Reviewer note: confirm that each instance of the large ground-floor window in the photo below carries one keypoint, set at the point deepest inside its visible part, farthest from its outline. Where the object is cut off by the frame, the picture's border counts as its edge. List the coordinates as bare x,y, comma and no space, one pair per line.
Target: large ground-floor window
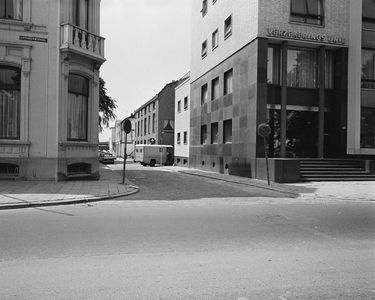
78,93
301,134
368,127
10,101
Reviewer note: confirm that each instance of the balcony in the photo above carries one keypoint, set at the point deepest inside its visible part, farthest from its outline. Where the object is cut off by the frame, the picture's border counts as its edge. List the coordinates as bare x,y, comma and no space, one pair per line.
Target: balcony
82,42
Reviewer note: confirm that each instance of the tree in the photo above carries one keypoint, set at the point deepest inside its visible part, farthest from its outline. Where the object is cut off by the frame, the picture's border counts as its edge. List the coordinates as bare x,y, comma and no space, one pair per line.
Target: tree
107,106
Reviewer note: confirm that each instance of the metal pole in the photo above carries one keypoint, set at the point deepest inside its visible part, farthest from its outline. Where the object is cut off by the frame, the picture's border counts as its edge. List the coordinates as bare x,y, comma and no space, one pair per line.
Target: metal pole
265,153
125,155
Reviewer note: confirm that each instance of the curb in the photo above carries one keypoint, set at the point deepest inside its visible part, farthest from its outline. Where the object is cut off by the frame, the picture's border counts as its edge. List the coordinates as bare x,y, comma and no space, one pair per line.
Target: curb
261,186
66,202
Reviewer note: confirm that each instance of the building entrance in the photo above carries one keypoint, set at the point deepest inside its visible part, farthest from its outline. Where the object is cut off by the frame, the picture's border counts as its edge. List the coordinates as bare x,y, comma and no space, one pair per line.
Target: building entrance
301,134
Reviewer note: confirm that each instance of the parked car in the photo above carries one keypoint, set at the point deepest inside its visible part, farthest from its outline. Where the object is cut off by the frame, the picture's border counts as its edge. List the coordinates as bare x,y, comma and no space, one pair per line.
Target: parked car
106,157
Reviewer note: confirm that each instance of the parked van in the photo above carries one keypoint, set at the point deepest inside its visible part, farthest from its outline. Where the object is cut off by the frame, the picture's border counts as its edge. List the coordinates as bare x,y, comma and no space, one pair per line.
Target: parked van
153,154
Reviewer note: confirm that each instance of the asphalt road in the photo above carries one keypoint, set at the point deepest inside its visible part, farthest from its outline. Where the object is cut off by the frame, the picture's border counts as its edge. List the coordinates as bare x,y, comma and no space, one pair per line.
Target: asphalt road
219,247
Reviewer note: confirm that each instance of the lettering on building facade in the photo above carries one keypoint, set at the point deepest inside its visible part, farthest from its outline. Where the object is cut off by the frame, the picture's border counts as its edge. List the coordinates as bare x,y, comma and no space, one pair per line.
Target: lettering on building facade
296,35
33,39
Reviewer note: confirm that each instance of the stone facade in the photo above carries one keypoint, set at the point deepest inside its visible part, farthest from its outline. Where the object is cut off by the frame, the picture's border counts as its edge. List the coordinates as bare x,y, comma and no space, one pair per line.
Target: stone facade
47,43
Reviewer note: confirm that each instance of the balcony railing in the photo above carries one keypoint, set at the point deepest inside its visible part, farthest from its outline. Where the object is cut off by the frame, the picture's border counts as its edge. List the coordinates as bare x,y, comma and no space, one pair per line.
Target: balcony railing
75,38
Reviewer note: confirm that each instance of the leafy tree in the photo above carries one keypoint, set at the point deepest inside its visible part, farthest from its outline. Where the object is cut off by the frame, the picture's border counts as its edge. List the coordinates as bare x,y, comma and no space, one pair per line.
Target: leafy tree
107,106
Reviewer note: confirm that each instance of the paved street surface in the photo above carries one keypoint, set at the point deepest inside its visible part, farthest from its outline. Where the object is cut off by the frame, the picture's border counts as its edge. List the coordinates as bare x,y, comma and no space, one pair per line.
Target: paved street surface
193,238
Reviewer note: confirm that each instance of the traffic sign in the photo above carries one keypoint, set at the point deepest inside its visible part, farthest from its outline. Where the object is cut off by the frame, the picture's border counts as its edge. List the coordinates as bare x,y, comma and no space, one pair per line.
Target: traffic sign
264,130
127,126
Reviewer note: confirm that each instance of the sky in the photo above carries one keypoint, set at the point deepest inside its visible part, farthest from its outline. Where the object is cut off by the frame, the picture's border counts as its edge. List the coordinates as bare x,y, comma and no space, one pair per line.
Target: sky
147,45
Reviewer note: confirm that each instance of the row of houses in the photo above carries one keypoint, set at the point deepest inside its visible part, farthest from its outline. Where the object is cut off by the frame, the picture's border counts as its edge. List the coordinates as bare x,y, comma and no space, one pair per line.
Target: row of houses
305,68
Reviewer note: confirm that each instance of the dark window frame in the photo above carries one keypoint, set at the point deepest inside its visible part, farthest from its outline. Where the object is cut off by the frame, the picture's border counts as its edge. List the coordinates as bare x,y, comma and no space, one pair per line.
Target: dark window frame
309,12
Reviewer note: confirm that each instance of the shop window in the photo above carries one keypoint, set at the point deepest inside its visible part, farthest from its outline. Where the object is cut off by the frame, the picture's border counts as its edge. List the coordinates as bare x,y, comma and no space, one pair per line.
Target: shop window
78,94
307,11
368,10
204,49
228,82
302,68
186,103
10,102
215,88
368,69
227,131
368,127
204,93
204,134
228,27
214,133
329,70
215,39
273,65
179,106
185,138
11,9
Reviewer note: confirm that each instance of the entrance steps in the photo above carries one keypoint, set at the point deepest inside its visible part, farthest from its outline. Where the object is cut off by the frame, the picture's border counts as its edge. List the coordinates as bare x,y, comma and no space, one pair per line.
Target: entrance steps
334,170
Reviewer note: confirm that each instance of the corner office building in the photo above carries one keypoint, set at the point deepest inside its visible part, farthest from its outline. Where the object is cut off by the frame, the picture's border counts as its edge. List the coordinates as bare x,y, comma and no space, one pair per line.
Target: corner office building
50,55
284,63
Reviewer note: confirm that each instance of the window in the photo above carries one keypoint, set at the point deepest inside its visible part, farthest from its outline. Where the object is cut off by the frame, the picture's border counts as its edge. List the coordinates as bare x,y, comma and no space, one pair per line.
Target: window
307,11
204,134
329,70
179,106
186,103
10,101
228,82
227,133
368,10
215,88
214,133
153,105
273,67
178,138
215,39
214,1
301,68
368,69
145,127
11,9
141,127
228,27
185,137
368,127
204,8
204,49
204,93
149,125
153,123
78,94
81,13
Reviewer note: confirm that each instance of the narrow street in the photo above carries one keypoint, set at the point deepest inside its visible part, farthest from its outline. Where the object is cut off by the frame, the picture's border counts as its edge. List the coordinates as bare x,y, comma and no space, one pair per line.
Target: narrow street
215,241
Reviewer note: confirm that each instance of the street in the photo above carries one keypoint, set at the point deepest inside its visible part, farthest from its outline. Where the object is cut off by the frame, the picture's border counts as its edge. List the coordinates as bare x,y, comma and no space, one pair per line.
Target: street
214,241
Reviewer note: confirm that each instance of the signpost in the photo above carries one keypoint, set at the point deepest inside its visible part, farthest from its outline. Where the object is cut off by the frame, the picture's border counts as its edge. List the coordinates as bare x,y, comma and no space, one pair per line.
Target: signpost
127,129
264,131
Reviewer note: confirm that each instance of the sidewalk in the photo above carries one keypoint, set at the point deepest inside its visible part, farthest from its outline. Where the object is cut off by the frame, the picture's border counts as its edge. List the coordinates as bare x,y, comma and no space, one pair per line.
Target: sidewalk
22,194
